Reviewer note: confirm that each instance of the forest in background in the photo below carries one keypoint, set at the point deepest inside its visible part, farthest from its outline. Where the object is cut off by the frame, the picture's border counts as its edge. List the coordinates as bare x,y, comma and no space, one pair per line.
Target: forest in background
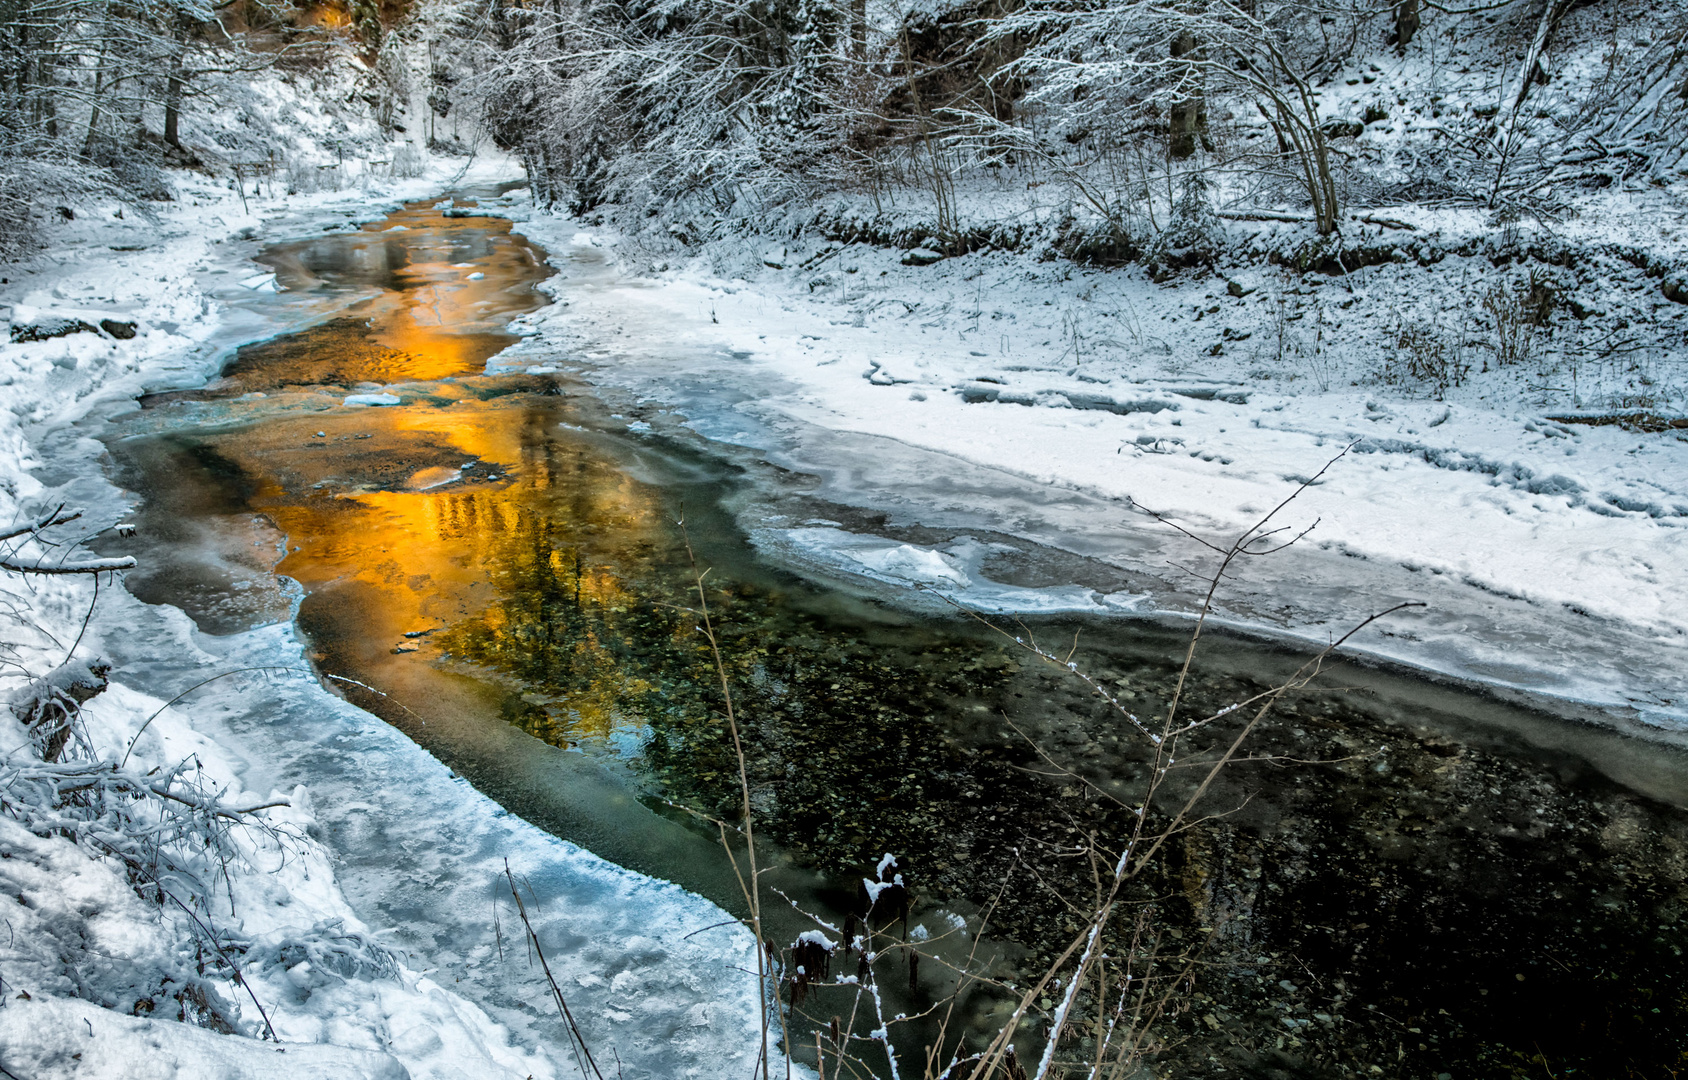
1316,135
1138,123
1123,129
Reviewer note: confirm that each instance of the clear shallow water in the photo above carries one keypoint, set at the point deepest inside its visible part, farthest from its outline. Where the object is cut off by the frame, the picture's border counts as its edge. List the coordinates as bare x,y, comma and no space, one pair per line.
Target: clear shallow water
501,560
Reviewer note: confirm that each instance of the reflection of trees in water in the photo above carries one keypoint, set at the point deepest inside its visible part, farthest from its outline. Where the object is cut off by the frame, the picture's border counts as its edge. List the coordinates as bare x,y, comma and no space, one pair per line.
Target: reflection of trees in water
406,333
582,609
572,632
844,727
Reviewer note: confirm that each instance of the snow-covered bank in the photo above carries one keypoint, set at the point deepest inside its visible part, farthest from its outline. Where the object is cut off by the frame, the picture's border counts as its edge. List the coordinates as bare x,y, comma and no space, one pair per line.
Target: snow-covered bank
1046,401
363,914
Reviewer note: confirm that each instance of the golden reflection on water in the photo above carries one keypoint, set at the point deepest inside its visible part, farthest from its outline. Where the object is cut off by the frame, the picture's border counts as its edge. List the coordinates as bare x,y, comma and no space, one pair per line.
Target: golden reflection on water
469,518
440,290
531,560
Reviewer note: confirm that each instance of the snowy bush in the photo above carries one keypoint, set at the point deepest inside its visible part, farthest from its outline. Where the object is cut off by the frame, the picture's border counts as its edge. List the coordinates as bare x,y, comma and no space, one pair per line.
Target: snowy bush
73,811
1193,236
1422,352
409,162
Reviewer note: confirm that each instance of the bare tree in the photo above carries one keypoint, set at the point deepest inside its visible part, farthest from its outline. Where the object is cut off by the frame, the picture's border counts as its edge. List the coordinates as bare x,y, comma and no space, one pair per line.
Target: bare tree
1144,58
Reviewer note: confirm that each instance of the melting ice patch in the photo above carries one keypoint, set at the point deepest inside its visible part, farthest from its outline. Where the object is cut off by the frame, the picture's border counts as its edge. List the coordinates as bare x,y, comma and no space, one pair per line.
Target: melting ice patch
914,564
953,570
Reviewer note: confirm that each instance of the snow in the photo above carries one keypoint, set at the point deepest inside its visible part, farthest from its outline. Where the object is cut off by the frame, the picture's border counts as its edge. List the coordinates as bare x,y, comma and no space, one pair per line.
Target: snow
874,888
282,900
1040,400
366,913
49,1038
915,564
955,573
371,399
887,862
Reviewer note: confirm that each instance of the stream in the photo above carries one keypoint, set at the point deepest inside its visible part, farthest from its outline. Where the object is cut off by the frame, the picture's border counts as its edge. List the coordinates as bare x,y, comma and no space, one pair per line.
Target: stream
1406,877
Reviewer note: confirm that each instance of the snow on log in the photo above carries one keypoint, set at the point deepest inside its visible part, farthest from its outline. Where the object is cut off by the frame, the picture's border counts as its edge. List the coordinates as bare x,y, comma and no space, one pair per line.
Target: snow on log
45,565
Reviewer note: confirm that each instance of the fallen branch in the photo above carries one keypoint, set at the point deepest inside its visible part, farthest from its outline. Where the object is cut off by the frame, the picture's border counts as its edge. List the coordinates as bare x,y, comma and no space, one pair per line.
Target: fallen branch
1387,223
42,566
1301,219
1265,215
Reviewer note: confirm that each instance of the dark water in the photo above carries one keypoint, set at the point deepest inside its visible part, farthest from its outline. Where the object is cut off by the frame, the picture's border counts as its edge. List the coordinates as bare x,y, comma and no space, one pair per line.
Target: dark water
1407,879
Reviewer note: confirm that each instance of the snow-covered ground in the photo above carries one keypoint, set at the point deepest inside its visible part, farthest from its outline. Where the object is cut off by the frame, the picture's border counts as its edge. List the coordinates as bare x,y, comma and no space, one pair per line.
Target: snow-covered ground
996,392
365,915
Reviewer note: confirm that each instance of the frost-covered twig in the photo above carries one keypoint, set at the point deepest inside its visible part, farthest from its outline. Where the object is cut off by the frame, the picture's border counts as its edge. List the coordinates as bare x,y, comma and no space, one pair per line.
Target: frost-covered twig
1085,950
750,884
53,517
42,565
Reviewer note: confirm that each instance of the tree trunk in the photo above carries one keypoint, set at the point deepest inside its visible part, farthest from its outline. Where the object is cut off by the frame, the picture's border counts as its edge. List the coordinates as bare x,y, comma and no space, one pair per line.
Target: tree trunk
44,107
173,98
1326,223
1185,116
1528,73
95,108
539,176
95,111
173,113
1300,129
1406,23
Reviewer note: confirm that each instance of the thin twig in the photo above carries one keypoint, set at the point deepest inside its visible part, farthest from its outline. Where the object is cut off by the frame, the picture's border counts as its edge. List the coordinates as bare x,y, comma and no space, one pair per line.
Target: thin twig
583,1054
752,889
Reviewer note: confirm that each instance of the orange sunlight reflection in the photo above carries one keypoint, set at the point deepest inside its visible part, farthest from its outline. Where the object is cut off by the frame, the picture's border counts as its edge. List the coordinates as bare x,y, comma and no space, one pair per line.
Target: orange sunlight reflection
443,291
529,571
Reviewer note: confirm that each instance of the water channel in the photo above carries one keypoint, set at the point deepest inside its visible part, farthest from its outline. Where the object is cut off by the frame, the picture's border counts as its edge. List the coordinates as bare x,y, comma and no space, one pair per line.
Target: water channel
1407,879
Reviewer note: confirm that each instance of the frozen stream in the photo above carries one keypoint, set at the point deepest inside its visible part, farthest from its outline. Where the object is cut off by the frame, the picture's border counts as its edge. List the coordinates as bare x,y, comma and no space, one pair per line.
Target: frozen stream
1451,882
